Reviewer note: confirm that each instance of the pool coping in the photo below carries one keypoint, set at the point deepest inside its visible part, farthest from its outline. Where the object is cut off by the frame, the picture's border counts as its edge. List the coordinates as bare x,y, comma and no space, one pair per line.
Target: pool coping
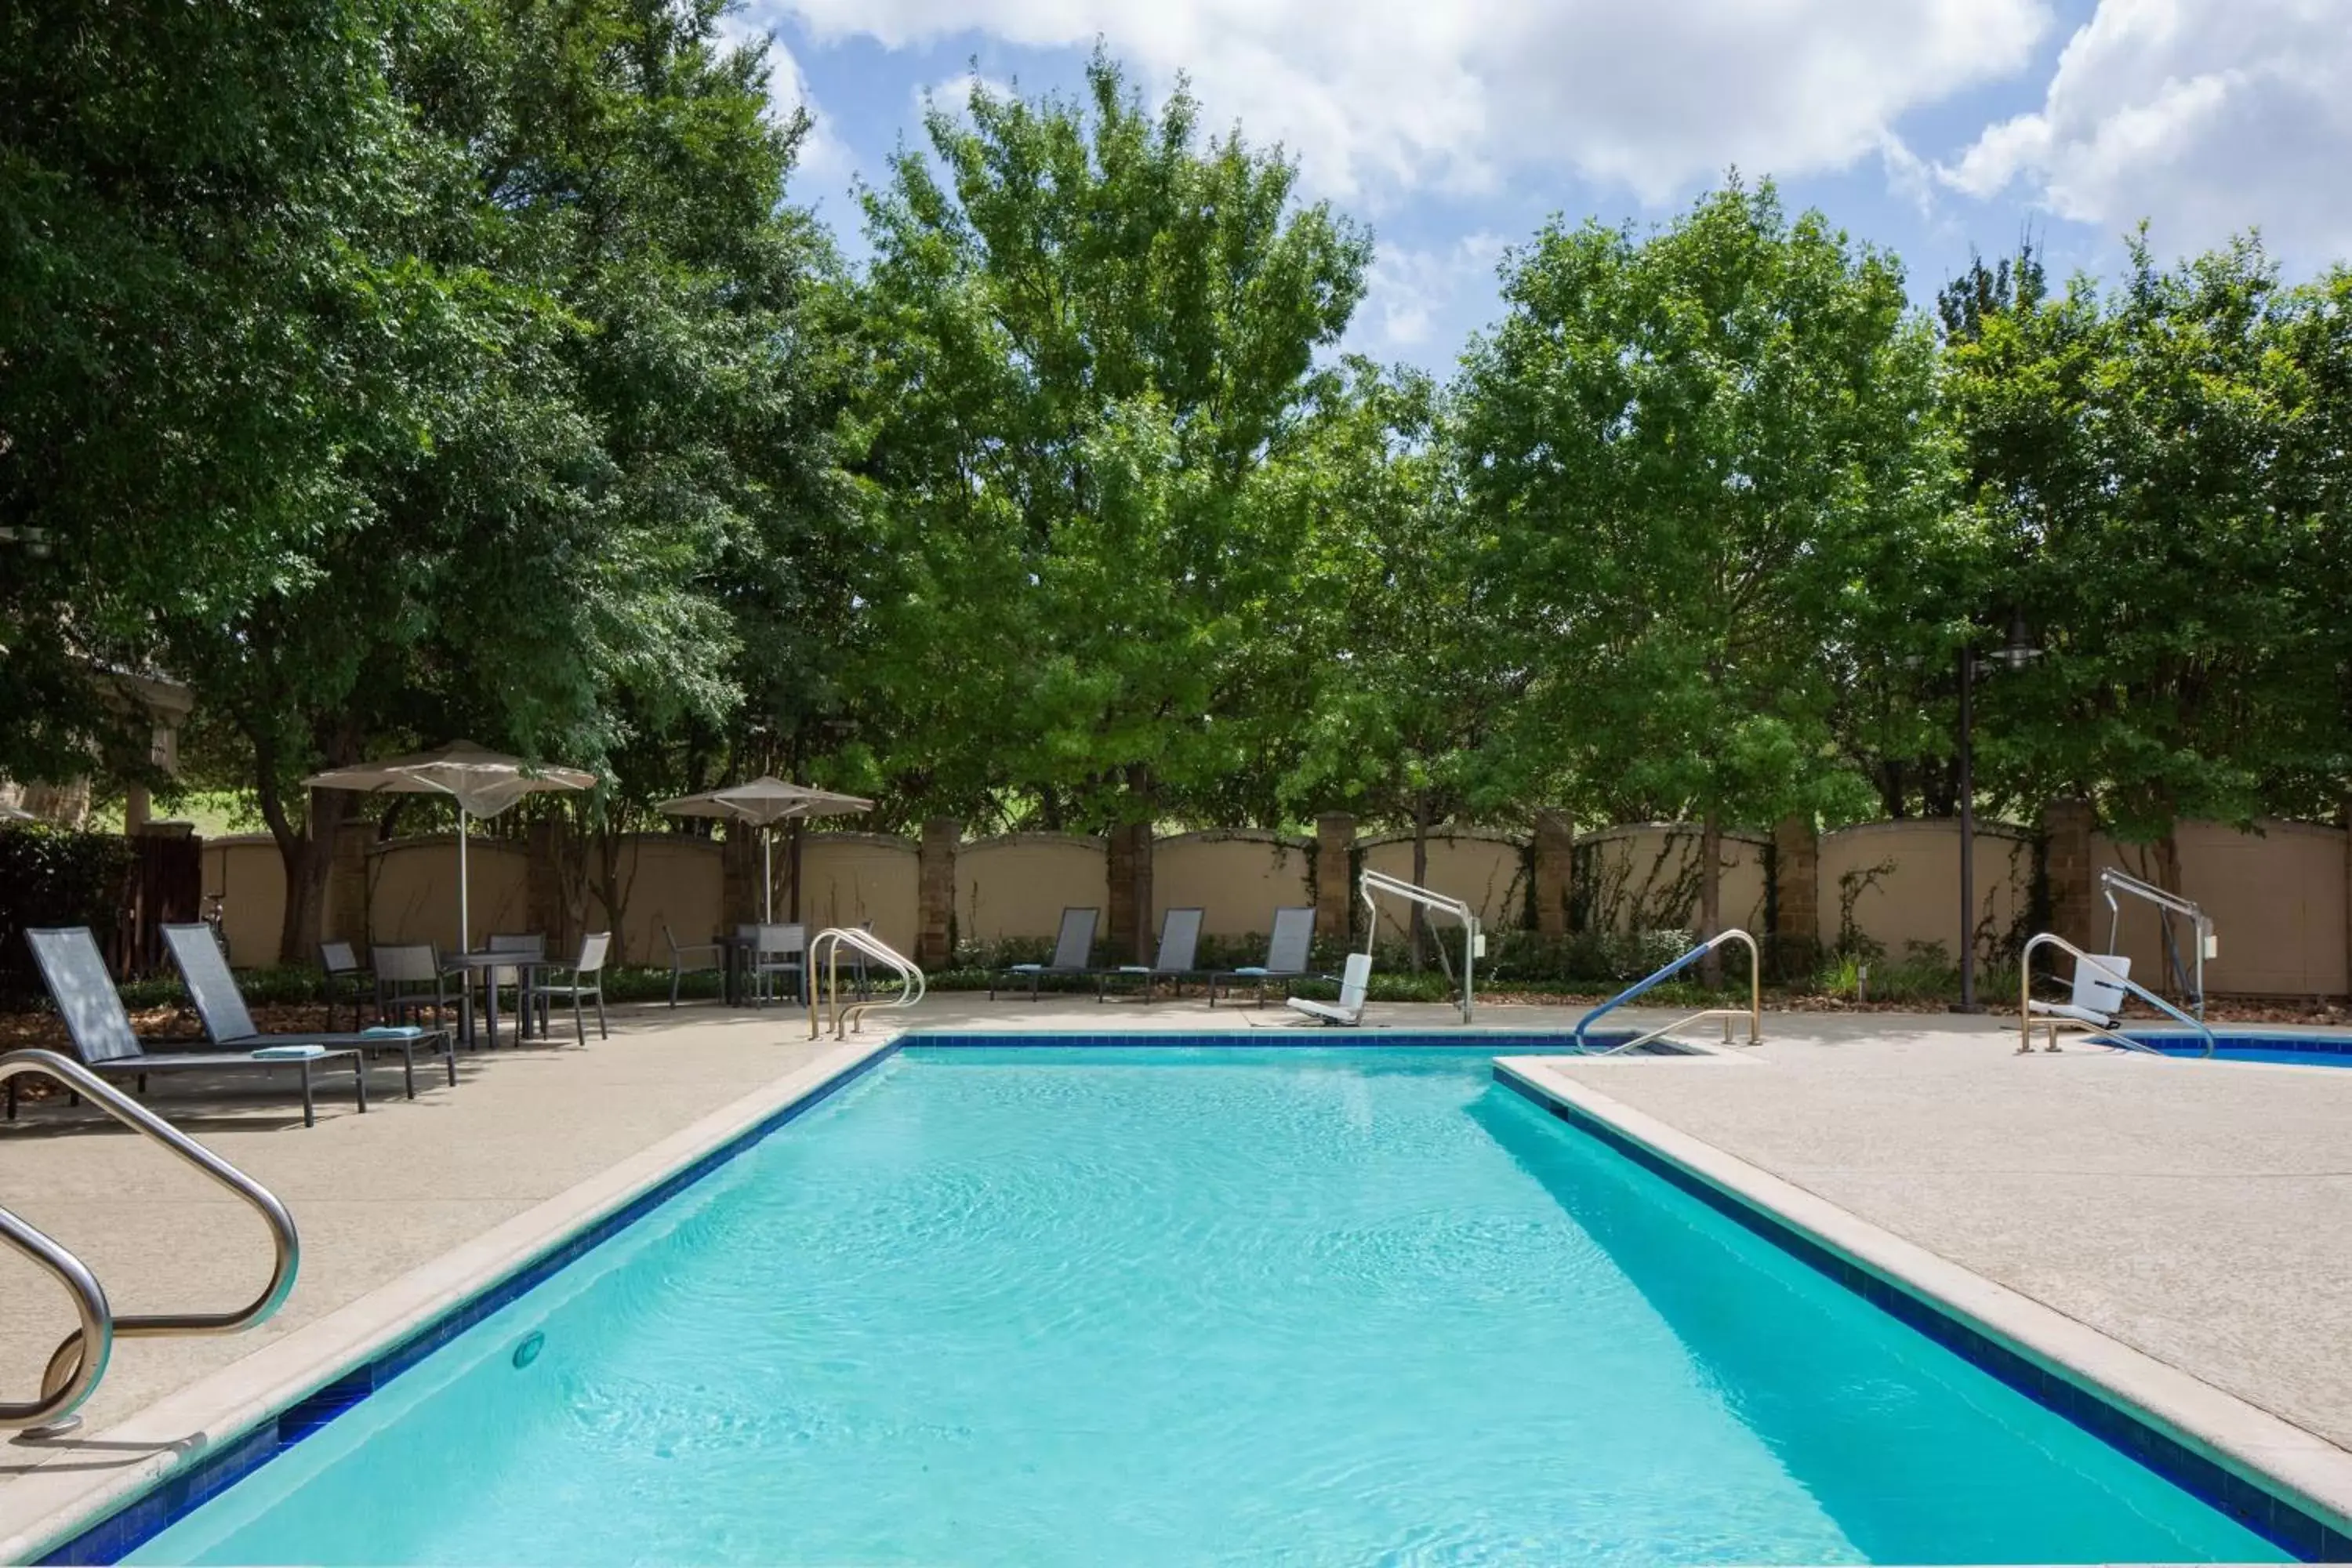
2293,1486
211,1432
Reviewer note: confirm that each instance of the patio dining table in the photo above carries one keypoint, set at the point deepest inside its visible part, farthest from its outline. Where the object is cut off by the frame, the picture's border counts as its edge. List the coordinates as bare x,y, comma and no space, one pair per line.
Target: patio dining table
526,967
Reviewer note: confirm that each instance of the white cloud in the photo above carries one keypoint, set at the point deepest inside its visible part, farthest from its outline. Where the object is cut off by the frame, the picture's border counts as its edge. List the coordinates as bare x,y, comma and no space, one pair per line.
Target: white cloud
823,154
2206,116
1377,95
1419,301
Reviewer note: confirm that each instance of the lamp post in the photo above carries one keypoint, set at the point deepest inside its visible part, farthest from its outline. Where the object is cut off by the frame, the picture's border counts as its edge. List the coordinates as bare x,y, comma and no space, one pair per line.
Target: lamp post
2014,654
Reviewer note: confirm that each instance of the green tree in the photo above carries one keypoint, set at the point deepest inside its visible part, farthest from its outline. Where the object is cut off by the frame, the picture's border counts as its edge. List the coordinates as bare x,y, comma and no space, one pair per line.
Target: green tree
1089,330
1698,450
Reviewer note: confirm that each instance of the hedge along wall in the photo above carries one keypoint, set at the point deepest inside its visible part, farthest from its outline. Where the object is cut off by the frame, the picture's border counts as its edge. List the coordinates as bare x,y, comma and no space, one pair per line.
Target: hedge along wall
848,879
1645,876
2277,897
1237,880
1018,885
245,871
1899,884
1488,871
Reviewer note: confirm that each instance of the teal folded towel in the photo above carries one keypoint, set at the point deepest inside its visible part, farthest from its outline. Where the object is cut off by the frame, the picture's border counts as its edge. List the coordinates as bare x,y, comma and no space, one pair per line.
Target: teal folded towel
392,1031
1252,969
289,1052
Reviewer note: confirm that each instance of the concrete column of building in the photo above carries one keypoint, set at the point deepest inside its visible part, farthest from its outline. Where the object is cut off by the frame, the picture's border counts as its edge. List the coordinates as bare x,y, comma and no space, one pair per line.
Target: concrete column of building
1796,938
1555,870
2066,828
1335,888
935,892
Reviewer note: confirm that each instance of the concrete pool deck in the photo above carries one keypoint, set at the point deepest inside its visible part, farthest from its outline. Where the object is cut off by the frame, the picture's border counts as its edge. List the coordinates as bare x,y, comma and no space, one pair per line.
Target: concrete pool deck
2195,1212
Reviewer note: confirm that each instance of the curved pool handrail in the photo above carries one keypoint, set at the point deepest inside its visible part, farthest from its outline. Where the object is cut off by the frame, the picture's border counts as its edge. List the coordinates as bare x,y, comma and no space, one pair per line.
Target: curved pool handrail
80,1359
912,986
1753,1012
2113,1037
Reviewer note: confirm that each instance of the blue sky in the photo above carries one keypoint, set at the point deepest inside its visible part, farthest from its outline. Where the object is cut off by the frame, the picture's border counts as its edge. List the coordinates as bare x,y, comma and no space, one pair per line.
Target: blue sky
1923,126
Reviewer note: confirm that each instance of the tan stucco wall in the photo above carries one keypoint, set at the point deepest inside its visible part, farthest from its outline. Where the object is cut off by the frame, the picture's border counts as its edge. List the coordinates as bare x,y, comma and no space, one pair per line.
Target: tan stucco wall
1018,885
413,889
670,878
2277,898
245,872
851,878
1917,898
1239,880
1651,854
1484,871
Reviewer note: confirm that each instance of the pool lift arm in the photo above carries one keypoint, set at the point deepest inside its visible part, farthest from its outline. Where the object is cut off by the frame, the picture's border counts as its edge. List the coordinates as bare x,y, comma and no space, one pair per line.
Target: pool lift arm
1473,941
2112,881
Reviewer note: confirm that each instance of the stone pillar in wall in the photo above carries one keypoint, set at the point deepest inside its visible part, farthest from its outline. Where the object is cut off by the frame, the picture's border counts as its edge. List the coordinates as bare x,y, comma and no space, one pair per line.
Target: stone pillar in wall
1128,873
1335,888
1796,938
2066,828
935,892
1555,870
345,917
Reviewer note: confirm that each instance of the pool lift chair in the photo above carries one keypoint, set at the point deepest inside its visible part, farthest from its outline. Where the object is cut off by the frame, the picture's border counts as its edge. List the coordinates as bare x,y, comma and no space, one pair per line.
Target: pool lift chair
1357,973
2094,1006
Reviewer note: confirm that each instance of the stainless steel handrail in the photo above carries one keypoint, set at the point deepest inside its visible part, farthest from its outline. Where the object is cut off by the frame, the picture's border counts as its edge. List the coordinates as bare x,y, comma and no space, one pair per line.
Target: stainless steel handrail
75,1367
1753,1012
1396,887
912,987
2111,881
54,1410
2113,1037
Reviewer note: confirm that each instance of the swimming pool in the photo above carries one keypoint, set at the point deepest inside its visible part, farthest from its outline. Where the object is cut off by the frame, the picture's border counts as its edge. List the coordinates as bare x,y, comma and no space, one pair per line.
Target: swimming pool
2254,1046
1168,1305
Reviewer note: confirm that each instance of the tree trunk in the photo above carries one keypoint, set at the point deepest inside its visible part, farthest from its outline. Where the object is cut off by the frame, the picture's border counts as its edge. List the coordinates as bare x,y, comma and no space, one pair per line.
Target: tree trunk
308,854
1710,893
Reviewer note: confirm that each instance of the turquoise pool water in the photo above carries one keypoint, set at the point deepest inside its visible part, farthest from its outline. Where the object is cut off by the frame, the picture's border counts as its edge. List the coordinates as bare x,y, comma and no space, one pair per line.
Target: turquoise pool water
2286,1047
1140,1306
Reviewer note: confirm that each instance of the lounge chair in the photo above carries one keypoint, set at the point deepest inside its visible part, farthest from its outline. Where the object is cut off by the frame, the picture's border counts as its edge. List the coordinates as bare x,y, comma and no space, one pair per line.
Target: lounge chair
1073,951
1350,1012
2097,1002
84,991
1171,958
228,1024
1285,954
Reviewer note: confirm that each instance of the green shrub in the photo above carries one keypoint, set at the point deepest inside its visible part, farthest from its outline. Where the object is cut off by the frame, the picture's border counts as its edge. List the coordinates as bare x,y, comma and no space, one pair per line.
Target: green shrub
56,877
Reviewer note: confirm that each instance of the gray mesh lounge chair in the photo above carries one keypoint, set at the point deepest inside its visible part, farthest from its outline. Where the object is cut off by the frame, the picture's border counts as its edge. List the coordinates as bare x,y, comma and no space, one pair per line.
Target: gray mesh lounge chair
581,980
1172,959
1285,954
228,1024
84,991
1073,951
1354,979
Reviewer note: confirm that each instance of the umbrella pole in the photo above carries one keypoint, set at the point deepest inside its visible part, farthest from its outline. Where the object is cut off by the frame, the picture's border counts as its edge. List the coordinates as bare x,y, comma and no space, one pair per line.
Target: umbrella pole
768,872
465,924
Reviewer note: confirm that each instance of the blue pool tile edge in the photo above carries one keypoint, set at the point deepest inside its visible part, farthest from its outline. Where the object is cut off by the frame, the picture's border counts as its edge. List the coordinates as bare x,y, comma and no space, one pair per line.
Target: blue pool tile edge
2277,1519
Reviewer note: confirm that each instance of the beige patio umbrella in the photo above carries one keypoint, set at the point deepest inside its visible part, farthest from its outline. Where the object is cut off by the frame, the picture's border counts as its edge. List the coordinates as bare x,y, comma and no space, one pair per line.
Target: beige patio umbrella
763,802
482,782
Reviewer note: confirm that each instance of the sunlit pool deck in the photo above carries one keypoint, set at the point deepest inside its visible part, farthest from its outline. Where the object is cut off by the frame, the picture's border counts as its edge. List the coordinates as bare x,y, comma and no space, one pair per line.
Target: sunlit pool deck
2184,1222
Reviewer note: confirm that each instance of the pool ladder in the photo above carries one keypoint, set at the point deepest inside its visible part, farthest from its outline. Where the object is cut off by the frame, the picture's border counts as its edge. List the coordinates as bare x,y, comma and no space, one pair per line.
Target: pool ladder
827,944
80,1362
1753,1012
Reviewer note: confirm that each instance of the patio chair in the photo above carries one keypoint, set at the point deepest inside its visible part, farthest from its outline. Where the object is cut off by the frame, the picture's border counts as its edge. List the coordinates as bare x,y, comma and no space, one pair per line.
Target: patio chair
1074,949
1353,980
523,945
1171,958
339,963
1287,953
2097,1002
581,980
75,972
410,978
229,1025
778,950
691,958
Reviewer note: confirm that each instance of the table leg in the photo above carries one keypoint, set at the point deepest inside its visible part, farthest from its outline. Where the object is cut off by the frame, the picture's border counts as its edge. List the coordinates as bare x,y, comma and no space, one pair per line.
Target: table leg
490,1003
